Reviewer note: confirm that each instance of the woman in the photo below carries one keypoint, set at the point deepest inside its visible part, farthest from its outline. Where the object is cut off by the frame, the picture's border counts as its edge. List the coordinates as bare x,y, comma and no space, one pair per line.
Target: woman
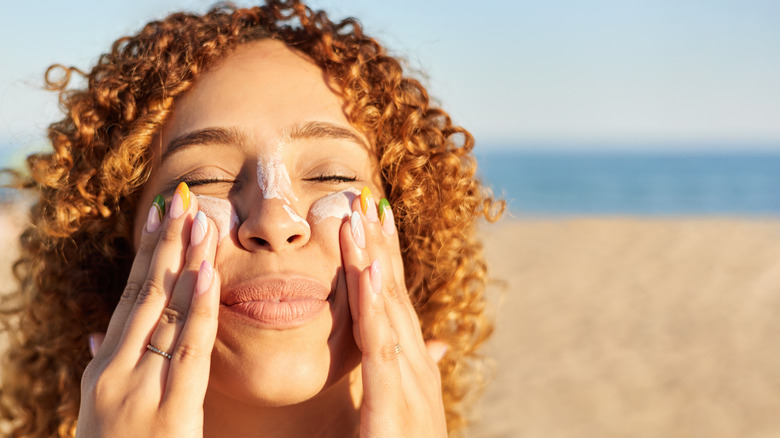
208,229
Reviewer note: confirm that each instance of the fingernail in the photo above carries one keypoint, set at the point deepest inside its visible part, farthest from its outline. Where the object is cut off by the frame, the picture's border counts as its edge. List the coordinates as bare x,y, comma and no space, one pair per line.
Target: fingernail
181,200
386,216
368,205
375,274
199,228
205,275
357,229
94,343
156,214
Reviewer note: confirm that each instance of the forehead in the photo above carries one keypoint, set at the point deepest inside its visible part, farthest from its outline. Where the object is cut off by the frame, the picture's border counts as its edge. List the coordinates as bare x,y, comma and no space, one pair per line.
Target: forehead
262,89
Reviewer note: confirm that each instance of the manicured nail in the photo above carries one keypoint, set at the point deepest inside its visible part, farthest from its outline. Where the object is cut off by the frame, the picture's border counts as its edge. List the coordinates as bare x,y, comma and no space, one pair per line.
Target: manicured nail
386,216
357,230
156,214
375,274
205,276
199,228
95,340
181,200
365,195
368,205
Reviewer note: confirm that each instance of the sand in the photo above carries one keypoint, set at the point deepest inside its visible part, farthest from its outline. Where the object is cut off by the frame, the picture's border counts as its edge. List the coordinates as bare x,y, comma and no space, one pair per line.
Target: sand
634,328
611,327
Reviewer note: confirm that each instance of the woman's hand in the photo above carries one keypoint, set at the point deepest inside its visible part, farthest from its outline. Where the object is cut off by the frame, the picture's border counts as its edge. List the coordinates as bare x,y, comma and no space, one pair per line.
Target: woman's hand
171,302
401,381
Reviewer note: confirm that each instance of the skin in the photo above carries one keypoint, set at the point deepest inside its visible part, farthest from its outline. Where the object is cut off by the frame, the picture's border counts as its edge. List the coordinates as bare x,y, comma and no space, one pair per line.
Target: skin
229,377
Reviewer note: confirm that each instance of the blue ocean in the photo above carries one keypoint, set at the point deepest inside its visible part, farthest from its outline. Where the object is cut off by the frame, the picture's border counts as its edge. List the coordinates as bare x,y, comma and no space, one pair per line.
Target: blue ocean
567,183
634,183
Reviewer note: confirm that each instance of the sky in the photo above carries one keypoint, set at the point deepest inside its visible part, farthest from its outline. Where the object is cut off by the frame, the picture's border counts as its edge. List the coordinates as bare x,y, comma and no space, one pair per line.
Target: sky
577,74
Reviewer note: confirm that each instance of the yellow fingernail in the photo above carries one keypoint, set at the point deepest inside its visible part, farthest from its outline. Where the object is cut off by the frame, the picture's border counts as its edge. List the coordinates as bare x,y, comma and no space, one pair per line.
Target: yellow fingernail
181,200
365,195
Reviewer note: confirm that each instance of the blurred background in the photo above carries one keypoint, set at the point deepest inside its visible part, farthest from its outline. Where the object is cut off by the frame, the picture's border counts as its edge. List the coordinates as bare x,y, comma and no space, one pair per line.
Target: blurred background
637,143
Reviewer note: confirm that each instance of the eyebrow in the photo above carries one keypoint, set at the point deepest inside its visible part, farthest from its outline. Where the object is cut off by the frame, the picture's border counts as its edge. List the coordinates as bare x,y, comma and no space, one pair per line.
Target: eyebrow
324,130
203,137
308,130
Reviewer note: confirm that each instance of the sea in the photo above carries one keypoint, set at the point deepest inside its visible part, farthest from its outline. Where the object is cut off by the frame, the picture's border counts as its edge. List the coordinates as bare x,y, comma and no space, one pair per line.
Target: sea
641,183
637,182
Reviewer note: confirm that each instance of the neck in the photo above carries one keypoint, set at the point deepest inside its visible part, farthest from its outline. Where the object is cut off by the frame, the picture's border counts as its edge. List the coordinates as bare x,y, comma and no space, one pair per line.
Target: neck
332,413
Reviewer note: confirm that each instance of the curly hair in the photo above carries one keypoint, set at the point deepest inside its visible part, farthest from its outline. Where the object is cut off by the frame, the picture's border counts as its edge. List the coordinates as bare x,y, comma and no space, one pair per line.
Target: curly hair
77,249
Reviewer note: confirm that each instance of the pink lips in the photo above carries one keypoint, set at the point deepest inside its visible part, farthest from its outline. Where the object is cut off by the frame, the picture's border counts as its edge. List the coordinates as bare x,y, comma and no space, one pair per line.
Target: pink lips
277,303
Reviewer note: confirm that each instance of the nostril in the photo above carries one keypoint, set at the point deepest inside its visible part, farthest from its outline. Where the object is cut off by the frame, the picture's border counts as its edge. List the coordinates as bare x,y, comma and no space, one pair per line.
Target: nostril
261,242
293,238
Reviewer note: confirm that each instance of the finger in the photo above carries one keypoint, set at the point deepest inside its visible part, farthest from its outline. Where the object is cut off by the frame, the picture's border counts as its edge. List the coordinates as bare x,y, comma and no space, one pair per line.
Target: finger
191,361
384,249
381,372
138,273
203,237
387,222
354,261
166,264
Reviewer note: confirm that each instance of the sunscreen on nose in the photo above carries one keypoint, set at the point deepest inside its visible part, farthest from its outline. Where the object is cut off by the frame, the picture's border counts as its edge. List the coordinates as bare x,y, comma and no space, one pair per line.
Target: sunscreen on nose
272,177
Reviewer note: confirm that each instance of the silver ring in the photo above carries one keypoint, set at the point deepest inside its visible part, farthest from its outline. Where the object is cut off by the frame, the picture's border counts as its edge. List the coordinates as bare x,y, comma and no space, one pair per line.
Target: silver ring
398,349
154,349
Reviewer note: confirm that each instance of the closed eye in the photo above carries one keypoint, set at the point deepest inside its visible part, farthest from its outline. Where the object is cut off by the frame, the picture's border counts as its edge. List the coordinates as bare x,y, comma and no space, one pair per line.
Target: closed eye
194,182
332,178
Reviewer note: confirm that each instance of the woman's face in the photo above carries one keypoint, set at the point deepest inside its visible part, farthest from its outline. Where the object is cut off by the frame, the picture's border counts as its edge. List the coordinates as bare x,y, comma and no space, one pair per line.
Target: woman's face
264,144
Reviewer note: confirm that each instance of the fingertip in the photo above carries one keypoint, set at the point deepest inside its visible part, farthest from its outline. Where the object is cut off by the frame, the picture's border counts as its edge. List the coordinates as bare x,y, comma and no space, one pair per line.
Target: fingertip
436,349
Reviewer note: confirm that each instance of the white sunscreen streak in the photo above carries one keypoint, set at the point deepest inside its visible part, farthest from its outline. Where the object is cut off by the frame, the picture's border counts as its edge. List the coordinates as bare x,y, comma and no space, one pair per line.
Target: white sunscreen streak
273,179
221,211
295,217
337,205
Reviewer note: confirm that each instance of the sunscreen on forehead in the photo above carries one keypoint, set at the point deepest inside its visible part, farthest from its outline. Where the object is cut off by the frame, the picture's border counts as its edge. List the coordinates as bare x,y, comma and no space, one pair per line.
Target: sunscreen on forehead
335,205
221,211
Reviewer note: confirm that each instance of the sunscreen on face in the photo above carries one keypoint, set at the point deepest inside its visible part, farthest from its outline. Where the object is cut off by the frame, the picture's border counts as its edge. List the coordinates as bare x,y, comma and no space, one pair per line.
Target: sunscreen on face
221,211
272,177
335,205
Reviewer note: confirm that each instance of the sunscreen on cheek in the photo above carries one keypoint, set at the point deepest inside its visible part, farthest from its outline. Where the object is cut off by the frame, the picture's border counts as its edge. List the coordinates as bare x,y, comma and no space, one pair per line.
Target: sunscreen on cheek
221,211
336,205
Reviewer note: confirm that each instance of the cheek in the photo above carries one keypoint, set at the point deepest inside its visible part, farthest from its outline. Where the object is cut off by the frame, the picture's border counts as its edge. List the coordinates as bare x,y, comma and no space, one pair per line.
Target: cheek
221,211
334,206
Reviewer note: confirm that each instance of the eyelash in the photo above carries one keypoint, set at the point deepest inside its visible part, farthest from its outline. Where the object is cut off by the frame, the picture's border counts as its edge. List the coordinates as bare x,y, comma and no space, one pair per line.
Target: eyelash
203,181
333,178
321,178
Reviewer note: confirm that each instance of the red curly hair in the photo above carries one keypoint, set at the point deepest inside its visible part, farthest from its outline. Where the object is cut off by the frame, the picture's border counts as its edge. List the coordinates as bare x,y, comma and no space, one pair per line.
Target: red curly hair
77,250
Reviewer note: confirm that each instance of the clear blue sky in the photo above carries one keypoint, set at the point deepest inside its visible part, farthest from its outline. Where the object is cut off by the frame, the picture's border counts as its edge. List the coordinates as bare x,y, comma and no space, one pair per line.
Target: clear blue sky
580,73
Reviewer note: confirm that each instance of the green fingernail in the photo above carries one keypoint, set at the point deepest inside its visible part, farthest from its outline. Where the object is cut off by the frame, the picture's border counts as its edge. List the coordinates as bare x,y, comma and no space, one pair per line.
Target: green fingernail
383,207
159,203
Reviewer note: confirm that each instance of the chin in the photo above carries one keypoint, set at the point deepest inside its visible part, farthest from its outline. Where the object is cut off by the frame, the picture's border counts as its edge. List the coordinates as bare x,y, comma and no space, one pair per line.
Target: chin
273,368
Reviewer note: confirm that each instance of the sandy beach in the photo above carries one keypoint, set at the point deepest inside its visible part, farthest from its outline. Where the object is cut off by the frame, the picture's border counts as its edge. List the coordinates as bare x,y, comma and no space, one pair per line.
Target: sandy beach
609,327
634,328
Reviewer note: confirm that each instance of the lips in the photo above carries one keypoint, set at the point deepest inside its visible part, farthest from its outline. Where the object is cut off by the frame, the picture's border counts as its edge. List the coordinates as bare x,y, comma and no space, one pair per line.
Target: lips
276,303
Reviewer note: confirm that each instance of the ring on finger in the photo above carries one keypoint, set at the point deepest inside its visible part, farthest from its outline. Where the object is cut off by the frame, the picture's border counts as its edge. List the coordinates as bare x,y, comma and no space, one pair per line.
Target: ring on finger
168,356
398,349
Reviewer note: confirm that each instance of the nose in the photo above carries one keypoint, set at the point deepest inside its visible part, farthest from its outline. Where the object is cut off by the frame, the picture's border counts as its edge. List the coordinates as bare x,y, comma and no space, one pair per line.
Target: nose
273,225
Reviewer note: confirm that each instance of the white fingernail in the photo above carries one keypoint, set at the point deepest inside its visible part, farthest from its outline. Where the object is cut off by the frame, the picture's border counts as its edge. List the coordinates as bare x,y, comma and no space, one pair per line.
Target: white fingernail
357,229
